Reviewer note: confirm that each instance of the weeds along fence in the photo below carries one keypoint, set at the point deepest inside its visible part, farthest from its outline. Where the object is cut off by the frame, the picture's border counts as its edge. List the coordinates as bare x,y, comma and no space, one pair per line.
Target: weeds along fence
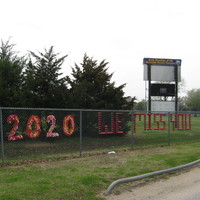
29,134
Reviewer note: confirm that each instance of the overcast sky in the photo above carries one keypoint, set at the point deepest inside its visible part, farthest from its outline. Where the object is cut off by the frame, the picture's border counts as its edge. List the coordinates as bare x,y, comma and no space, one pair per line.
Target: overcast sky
121,31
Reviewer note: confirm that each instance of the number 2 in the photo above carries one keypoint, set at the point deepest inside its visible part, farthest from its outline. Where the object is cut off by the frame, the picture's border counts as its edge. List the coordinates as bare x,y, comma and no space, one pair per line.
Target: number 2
52,119
15,119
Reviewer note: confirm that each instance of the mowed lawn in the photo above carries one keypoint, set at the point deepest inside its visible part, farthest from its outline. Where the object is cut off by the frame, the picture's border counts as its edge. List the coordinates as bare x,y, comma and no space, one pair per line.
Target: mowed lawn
87,177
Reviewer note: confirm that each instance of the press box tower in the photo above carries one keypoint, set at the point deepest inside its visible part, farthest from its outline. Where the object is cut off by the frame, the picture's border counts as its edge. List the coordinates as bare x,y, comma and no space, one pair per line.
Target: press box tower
162,76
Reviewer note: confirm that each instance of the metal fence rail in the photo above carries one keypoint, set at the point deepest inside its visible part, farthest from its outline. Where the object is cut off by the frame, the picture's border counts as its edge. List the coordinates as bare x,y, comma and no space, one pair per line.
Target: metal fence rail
135,178
38,133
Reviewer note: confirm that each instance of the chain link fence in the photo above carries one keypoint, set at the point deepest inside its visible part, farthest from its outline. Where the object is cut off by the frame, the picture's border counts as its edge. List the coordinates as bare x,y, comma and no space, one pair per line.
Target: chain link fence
39,134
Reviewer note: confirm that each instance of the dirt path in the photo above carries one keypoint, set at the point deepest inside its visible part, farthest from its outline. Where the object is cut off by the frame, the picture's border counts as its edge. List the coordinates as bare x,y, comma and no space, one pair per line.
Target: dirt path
183,185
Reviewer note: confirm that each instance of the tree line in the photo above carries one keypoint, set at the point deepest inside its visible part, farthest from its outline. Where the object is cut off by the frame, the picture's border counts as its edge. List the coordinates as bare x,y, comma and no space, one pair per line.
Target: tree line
189,102
35,80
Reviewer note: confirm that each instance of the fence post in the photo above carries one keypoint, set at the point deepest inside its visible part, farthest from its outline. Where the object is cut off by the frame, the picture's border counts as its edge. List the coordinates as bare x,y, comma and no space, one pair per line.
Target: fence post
81,138
2,141
169,139
132,128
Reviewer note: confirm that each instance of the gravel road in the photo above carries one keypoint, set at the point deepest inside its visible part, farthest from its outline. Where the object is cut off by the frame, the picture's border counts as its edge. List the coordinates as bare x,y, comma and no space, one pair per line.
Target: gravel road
183,185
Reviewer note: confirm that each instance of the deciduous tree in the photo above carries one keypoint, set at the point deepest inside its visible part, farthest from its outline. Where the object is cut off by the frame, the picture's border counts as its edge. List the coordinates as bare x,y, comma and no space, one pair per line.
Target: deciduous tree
192,100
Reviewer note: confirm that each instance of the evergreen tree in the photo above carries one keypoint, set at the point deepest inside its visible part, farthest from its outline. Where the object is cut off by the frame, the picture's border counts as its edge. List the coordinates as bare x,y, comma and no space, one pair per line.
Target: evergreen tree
44,85
91,87
11,76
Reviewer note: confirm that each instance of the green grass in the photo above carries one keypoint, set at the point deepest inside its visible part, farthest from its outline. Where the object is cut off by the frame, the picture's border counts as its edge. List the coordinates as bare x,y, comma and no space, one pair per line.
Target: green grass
67,176
160,137
86,177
